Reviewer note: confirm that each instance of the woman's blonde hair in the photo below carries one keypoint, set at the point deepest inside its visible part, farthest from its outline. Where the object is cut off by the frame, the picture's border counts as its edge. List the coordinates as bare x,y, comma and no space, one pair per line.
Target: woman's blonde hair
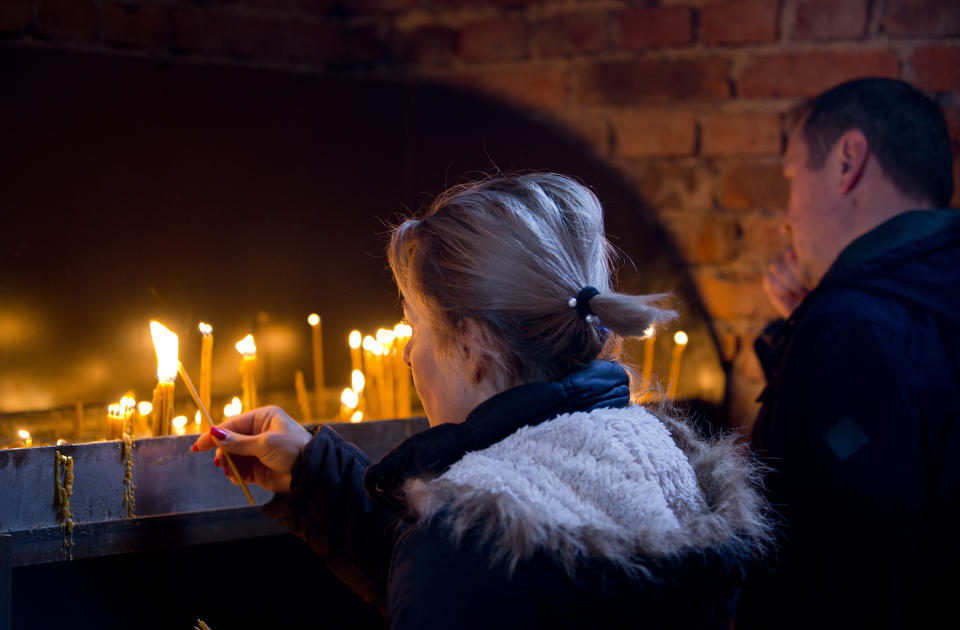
509,252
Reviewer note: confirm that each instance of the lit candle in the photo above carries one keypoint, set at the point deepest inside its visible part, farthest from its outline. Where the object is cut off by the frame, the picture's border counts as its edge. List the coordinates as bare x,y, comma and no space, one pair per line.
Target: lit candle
206,362
114,422
348,403
650,338
128,406
680,342
233,408
356,417
355,340
166,345
196,422
25,436
303,399
401,371
143,410
387,399
372,359
358,383
316,335
179,425
248,363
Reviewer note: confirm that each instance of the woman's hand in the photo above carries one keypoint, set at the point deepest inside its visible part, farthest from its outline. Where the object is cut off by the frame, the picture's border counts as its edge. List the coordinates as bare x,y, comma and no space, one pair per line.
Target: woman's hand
264,444
784,285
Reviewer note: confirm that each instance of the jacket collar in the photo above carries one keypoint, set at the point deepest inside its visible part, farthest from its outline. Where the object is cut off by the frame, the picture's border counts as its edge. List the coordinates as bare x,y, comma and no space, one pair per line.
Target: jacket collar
432,452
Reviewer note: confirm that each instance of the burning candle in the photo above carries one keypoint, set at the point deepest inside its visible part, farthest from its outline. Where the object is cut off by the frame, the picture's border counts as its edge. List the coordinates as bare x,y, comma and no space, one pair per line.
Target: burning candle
179,425
248,363
401,371
143,414
302,398
354,341
114,422
233,408
166,345
316,335
650,338
387,398
372,360
25,437
356,417
680,342
196,422
206,362
348,403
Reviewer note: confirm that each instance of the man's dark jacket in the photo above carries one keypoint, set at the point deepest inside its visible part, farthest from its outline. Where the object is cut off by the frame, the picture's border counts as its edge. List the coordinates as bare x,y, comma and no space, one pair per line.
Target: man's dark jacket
355,515
859,425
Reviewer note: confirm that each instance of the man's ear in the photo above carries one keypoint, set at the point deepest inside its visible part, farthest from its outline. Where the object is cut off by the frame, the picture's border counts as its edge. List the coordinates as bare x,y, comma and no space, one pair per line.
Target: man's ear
853,151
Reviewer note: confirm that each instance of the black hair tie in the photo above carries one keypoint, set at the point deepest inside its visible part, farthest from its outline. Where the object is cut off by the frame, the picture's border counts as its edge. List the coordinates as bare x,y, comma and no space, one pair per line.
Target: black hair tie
582,303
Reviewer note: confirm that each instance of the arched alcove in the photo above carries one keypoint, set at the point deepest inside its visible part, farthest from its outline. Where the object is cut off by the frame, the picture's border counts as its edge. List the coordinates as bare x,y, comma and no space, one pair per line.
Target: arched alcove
137,189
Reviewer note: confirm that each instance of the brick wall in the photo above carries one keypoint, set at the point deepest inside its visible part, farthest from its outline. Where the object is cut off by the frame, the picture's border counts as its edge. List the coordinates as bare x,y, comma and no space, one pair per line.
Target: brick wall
685,97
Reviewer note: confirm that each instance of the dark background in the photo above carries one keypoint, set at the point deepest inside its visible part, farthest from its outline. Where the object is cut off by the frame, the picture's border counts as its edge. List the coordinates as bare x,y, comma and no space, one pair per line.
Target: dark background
134,189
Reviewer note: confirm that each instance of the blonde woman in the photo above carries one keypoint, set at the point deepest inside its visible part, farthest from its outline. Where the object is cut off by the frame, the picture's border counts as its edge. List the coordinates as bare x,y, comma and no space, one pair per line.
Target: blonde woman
539,497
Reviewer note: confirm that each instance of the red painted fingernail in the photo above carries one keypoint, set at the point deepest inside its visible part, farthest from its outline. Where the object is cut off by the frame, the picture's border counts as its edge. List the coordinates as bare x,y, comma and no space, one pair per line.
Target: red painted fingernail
220,434
216,461
195,448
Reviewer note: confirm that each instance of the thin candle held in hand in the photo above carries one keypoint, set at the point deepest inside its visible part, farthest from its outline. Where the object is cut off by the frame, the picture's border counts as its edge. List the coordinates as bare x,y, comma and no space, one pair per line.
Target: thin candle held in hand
206,416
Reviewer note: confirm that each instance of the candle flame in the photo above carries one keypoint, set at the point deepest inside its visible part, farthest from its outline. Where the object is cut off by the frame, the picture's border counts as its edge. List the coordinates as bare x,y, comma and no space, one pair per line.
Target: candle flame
166,345
385,337
246,347
680,338
145,408
368,343
356,417
127,404
179,422
313,319
61,442
205,329
233,408
24,434
403,330
648,332
357,381
355,339
349,398
196,418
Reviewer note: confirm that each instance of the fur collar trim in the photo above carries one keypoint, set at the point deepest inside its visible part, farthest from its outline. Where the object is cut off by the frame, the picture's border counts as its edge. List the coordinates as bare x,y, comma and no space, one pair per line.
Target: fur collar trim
618,484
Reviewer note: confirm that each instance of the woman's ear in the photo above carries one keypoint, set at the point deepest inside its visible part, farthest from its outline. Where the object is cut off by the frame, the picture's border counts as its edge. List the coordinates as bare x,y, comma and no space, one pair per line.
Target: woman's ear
473,343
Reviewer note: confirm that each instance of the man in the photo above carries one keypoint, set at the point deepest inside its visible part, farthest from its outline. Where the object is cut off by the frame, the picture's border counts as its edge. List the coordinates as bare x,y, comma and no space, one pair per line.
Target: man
859,423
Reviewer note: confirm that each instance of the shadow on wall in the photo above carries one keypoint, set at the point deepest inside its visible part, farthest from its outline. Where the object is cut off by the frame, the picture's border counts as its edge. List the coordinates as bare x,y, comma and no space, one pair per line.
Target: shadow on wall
138,189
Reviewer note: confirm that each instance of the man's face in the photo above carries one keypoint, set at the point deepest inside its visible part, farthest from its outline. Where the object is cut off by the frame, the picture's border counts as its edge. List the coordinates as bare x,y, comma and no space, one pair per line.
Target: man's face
810,210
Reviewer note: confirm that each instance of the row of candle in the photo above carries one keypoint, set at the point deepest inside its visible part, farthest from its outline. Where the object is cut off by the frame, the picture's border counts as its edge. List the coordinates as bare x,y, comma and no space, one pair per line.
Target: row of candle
380,382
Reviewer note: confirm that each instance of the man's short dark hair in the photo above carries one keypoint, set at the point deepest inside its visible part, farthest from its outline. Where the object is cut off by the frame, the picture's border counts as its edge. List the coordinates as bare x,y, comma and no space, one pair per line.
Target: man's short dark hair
906,132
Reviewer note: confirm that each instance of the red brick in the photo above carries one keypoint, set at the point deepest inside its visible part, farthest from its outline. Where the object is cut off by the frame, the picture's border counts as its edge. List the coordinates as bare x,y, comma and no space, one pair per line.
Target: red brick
572,33
594,130
133,25
370,6
494,40
650,27
653,82
540,88
754,186
733,298
703,239
936,68
257,37
198,30
918,18
426,44
312,43
826,20
808,74
73,20
740,134
666,185
15,15
739,22
655,133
